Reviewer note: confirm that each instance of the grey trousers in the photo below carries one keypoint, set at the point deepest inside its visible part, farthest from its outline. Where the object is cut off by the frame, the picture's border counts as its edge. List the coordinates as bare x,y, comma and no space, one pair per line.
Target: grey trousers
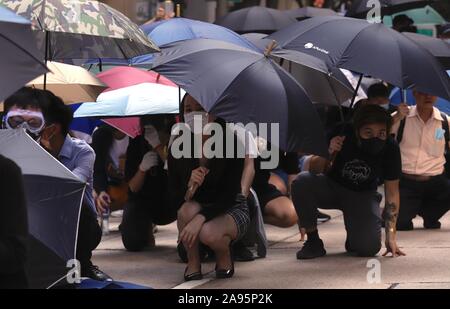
362,214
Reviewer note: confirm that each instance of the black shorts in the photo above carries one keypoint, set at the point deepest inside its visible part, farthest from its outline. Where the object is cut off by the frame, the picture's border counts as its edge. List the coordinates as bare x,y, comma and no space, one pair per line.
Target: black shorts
267,193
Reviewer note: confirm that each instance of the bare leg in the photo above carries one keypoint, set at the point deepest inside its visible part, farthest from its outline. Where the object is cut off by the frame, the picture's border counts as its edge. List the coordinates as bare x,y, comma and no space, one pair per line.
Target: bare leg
278,183
186,213
217,234
280,212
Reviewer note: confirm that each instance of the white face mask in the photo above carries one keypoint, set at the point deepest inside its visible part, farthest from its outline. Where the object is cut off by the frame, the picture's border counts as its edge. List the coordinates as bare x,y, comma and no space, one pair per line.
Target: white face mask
196,121
385,106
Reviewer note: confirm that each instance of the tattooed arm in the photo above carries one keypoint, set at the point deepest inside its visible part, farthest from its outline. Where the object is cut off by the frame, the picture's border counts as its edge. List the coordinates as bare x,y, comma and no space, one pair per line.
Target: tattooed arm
390,214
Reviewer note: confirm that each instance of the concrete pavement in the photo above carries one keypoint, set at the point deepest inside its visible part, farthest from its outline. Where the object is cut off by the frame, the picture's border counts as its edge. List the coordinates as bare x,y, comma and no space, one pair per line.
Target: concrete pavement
427,264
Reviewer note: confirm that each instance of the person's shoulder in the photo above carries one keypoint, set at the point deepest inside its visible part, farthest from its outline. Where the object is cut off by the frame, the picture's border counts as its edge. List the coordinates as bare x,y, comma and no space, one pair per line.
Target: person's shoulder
81,146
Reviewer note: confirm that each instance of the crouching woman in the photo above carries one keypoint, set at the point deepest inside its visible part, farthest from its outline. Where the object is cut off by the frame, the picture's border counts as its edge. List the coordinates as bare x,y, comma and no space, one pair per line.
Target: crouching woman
207,192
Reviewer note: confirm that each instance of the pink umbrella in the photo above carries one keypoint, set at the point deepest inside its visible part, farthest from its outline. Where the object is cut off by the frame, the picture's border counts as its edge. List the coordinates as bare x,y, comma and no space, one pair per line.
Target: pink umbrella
121,77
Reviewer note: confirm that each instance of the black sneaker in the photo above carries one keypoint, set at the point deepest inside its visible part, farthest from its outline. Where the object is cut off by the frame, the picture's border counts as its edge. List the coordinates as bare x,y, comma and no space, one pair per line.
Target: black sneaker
431,225
322,217
311,250
241,253
95,273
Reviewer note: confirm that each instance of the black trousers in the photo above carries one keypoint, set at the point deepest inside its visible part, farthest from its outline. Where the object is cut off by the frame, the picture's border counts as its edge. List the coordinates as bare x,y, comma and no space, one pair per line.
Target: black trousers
138,216
362,215
429,199
89,236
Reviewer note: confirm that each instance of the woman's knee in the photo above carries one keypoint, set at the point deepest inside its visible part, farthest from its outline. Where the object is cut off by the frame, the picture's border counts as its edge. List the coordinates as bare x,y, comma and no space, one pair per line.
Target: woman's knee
188,210
210,235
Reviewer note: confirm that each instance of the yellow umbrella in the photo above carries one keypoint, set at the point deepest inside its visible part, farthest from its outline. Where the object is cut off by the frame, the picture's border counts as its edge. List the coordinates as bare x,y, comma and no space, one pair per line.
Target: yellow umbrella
73,84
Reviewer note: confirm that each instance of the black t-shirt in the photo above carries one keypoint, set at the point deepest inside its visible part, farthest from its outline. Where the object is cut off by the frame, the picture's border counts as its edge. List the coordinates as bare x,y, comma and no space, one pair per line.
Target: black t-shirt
359,171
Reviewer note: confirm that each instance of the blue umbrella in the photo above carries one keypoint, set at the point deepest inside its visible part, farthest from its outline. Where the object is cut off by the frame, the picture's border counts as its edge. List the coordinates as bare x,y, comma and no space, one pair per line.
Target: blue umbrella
396,97
19,56
181,29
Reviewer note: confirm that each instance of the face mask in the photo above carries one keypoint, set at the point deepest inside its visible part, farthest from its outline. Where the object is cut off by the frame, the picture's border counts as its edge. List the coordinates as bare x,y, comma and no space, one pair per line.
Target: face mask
196,121
372,146
385,106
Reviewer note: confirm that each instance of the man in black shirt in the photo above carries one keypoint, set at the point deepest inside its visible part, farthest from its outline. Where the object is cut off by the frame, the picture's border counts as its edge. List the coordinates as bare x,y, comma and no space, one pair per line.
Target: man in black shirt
13,227
363,155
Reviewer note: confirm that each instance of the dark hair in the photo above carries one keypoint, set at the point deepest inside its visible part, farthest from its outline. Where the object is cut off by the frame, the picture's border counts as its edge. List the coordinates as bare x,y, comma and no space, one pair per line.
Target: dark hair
378,90
58,113
402,20
371,114
28,97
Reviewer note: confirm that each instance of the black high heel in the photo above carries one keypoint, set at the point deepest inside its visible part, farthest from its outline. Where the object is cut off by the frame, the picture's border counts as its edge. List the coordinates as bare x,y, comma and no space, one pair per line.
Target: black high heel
226,273
194,276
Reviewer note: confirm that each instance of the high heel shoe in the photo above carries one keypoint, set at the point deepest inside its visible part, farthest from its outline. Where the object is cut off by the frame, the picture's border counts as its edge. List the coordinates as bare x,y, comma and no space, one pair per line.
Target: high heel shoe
226,273
194,276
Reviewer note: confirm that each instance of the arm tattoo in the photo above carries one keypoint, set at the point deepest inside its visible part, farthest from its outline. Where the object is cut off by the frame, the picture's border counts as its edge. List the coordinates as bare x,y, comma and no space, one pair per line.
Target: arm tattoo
390,212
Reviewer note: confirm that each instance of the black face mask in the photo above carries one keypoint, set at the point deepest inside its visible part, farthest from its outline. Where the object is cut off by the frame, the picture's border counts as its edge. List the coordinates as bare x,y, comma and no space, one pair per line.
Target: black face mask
372,146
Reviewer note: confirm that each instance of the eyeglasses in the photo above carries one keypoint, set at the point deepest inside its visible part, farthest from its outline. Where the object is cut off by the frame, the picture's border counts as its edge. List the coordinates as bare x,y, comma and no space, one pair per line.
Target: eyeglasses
29,120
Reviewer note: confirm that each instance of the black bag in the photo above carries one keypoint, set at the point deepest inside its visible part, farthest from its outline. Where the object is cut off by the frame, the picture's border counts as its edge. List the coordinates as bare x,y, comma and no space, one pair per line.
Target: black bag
445,127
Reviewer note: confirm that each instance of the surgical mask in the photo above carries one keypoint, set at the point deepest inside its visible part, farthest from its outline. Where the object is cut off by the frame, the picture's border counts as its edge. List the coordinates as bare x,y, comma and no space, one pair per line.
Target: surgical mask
373,146
196,121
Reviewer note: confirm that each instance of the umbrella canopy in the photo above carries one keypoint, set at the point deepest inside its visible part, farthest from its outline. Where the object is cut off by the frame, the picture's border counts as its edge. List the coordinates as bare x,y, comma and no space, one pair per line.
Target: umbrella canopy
71,83
256,19
437,47
310,11
240,85
323,83
54,196
371,49
181,29
396,98
82,29
360,8
20,60
137,100
121,77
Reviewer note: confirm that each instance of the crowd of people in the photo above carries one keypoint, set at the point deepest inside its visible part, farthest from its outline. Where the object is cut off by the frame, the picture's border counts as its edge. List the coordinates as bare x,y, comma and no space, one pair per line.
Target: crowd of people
404,149
210,199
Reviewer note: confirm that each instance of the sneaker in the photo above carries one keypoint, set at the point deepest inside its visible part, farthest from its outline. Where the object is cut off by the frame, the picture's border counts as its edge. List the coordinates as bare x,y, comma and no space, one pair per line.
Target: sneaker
431,225
311,250
322,217
95,273
241,253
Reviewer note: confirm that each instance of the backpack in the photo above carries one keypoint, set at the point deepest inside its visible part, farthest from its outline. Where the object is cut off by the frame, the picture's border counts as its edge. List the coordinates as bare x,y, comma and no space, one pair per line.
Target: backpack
445,127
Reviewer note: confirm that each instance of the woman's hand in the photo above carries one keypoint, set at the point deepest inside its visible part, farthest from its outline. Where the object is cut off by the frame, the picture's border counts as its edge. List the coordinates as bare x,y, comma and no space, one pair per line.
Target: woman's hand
189,234
198,176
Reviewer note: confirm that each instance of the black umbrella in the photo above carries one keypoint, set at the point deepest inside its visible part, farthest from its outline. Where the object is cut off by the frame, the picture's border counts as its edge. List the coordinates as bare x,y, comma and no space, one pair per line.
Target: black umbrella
256,19
310,11
241,85
360,8
323,83
20,60
370,49
437,47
